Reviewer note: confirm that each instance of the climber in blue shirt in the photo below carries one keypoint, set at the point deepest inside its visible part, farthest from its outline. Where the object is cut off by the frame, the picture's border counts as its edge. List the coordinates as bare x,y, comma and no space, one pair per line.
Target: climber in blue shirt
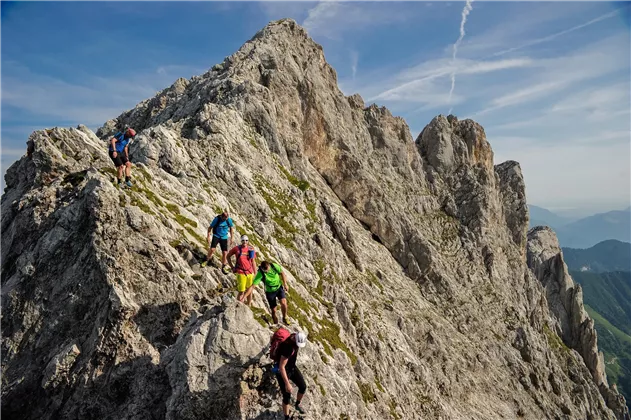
221,229
119,153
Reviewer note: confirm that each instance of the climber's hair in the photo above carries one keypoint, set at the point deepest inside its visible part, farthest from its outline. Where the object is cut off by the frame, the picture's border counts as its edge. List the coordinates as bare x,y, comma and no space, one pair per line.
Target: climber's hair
265,265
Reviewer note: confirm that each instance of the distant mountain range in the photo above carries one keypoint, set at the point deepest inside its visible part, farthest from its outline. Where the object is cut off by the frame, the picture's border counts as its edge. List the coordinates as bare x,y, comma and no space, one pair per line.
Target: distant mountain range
605,256
544,217
585,232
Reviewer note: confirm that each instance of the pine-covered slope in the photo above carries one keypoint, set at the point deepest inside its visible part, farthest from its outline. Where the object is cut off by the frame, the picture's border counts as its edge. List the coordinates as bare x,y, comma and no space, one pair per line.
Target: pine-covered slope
610,255
608,300
406,259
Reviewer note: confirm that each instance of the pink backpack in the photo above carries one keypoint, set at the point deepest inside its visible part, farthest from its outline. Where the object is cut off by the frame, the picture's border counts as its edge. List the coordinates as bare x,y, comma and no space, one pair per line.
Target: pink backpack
279,336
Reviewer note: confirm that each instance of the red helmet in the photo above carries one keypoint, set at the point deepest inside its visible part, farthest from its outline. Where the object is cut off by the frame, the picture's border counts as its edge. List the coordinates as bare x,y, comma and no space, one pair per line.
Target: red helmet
130,132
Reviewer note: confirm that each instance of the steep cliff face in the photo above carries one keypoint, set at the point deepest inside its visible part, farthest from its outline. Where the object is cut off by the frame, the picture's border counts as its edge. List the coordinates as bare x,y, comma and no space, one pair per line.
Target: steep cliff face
565,299
406,261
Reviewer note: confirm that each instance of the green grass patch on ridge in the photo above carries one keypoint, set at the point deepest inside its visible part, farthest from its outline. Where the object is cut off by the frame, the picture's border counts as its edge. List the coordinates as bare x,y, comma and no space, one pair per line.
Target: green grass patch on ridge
554,340
173,208
368,394
197,236
141,205
328,333
283,207
261,316
300,183
183,220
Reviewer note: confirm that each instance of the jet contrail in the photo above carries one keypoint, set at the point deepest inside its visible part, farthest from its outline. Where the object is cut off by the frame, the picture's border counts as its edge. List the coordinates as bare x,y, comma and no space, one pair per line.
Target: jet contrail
465,12
558,34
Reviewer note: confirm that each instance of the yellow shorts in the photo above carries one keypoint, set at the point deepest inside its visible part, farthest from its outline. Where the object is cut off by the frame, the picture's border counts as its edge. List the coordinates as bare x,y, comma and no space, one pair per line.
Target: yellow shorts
244,281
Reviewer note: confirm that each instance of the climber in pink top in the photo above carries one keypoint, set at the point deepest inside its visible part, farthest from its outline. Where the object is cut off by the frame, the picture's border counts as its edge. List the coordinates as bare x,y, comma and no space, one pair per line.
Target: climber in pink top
245,268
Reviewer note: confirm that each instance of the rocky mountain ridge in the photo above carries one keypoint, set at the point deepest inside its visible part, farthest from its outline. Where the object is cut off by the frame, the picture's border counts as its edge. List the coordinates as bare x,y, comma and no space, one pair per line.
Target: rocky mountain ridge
407,261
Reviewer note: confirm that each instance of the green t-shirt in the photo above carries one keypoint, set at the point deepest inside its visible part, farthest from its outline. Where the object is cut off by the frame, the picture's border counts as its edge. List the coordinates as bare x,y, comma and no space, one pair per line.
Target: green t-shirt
272,278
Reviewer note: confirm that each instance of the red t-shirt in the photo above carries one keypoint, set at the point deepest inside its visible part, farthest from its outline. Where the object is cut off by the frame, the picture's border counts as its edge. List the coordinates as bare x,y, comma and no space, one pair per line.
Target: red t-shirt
245,258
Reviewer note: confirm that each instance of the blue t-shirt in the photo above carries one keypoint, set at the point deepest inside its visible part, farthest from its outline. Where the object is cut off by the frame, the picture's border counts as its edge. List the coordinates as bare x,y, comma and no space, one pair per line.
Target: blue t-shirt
222,227
121,142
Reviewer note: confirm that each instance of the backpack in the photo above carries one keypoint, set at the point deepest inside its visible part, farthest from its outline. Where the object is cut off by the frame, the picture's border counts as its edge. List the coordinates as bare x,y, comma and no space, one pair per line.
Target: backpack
119,136
219,221
279,337
238,264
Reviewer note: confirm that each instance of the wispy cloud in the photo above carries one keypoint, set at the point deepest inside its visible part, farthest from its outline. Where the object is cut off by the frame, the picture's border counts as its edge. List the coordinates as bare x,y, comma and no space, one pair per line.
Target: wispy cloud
319,18
528,20
417,77
558,34
297,10
593,106
12,153
593,99
463,20
332,19
7,157
354,61
90,101
523,95
550,76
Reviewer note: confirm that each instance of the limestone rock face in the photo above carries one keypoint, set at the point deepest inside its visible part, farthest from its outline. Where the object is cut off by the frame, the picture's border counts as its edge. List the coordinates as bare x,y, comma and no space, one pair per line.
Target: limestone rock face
406,261
565,299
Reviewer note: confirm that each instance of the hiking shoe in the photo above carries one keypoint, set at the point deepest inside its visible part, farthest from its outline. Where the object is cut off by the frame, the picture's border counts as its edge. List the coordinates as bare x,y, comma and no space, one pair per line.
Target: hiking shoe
128,183
299,409
286,321
203,264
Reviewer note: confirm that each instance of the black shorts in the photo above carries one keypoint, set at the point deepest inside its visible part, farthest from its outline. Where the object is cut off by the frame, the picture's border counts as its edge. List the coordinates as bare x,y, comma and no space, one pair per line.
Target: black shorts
120,159
223,243
296,377
272,296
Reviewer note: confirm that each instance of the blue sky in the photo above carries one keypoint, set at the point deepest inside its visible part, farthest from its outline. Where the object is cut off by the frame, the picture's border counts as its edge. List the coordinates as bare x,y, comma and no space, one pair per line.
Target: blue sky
548,81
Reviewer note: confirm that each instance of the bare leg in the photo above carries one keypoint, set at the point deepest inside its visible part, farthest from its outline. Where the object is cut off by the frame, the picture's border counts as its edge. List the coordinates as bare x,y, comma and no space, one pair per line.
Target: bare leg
120,171
224,257
127,169
274,317
249,300
286,409
299,398
283,307
210,253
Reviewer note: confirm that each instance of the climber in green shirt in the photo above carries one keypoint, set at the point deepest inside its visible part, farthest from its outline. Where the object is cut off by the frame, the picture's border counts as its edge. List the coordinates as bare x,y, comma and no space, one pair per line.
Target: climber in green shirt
275,281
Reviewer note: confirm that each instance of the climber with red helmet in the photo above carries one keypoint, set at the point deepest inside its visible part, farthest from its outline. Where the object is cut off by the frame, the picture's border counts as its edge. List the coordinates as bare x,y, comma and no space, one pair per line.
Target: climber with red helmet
119,153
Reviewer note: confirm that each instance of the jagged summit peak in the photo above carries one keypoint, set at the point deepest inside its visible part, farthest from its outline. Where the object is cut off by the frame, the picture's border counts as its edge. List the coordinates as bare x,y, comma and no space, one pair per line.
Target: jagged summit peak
445,152
279,56
286,26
